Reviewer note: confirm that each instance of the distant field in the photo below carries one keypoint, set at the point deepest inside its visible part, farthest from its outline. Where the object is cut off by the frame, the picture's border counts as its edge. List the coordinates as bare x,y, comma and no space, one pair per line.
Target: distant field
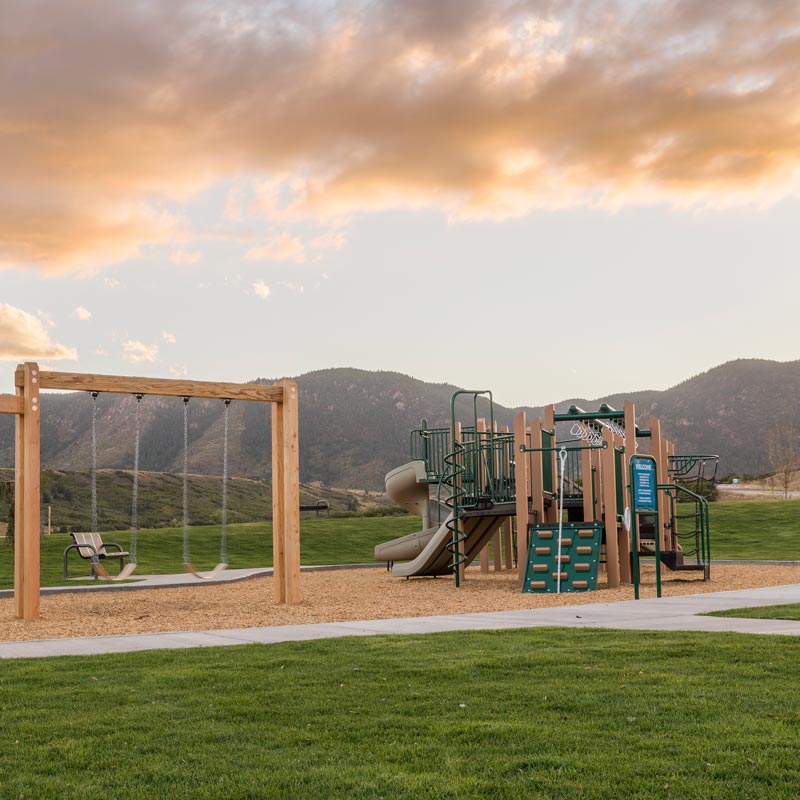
323,541
756,529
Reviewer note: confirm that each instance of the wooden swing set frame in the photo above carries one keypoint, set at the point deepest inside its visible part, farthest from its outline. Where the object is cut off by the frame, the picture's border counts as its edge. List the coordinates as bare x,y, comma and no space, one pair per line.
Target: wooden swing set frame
26,406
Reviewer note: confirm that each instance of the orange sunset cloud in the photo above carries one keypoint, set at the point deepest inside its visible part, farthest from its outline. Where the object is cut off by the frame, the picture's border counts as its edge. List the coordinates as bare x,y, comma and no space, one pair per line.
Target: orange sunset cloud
115,113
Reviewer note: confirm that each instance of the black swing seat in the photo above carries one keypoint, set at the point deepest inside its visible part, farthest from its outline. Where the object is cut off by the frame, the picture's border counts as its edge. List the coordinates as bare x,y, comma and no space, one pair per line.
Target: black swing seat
90,546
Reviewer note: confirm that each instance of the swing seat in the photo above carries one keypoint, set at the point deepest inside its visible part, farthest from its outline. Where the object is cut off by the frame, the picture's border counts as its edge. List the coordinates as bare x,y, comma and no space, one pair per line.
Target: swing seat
213,574
125,572
90,546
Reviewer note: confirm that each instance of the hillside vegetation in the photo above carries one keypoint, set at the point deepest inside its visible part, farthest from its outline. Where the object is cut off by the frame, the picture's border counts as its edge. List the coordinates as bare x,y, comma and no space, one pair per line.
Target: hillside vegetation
354,424
68,494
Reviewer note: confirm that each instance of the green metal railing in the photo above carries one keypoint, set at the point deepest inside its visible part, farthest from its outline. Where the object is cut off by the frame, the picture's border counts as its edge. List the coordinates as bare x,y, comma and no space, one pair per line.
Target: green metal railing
431,445
697,471
695,540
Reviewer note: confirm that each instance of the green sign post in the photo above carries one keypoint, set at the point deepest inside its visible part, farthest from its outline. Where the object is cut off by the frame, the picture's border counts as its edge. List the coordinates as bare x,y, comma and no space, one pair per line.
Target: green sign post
644,500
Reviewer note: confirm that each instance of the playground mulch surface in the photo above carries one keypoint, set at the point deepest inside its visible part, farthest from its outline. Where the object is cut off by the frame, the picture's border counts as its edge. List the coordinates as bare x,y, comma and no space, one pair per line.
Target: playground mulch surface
336,596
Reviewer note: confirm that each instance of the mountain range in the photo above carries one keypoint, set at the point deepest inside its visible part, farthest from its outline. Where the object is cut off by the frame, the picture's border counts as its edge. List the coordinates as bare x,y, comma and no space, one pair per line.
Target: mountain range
355,424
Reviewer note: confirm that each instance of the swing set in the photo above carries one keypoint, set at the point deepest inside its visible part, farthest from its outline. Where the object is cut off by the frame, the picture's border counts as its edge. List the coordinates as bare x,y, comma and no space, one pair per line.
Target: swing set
26,405
98,570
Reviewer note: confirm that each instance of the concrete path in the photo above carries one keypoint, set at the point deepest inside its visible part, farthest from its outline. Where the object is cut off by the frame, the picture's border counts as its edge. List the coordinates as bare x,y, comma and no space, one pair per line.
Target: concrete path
666,614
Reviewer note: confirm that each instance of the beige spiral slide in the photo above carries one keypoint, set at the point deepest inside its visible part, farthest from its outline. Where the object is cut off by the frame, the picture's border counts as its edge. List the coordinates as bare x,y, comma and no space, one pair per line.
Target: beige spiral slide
426,552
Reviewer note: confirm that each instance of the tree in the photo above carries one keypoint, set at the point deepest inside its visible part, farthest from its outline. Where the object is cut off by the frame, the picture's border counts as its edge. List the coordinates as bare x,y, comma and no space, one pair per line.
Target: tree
784,455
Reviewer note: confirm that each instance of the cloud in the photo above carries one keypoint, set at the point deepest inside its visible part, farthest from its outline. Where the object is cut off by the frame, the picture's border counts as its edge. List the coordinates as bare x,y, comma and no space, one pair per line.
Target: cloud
481,108
111,283
25,337
169,337
178,372
83,314
283,247
261,289
185,258
136,352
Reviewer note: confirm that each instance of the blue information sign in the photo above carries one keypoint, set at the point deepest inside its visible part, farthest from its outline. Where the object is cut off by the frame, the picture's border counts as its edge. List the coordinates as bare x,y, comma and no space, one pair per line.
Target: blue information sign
643,477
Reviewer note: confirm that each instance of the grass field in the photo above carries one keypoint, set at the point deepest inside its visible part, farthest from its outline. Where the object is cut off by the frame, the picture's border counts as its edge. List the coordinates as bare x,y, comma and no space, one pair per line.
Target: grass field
788,611
537,713
324,541
756,529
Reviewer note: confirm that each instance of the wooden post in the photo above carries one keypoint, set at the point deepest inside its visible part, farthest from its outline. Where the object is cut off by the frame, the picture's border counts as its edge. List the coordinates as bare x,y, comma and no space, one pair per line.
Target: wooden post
278,483
670,534
27,533
626,575
291,491
521,490
657,451
19,495
508,542
610,504
537,474
549,424
586,477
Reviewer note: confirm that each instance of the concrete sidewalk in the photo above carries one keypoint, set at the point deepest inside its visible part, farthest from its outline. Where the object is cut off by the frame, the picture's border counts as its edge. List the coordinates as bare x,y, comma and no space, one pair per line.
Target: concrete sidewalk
666,614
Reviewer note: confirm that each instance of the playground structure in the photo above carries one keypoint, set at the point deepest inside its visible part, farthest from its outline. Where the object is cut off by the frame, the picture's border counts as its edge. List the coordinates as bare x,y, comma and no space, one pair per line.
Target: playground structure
577,485
29,380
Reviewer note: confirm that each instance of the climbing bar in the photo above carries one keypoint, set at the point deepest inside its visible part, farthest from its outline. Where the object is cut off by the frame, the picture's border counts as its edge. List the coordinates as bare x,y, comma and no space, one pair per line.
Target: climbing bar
588,416
523,449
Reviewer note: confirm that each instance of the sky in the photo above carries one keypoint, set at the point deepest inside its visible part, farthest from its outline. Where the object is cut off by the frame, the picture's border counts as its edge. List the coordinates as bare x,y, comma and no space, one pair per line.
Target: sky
545,198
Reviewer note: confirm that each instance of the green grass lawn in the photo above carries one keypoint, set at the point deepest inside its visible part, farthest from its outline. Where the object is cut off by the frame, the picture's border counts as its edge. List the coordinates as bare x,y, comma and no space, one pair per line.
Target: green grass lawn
514,714
756,529
787,611
160,551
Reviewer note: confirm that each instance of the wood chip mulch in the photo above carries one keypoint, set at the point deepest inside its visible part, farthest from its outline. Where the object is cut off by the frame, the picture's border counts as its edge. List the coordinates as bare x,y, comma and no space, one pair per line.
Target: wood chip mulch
336,596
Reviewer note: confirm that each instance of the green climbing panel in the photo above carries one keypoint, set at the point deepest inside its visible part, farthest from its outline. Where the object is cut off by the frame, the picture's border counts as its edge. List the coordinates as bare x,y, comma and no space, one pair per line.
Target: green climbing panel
580,556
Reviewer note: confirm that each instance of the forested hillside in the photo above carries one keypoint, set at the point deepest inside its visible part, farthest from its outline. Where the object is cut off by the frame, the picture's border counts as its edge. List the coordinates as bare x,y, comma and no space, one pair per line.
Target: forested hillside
354,424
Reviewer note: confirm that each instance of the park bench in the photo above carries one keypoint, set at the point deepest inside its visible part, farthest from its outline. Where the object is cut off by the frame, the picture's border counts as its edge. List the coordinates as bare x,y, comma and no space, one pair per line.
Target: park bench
90,546
320,505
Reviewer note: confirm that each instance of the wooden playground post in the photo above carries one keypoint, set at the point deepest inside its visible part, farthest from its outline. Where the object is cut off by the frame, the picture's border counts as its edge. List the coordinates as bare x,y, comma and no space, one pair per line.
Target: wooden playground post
670,534
29,380
610,506
521,483
278,490
290,480
630,450
657,451
587,461
549,424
